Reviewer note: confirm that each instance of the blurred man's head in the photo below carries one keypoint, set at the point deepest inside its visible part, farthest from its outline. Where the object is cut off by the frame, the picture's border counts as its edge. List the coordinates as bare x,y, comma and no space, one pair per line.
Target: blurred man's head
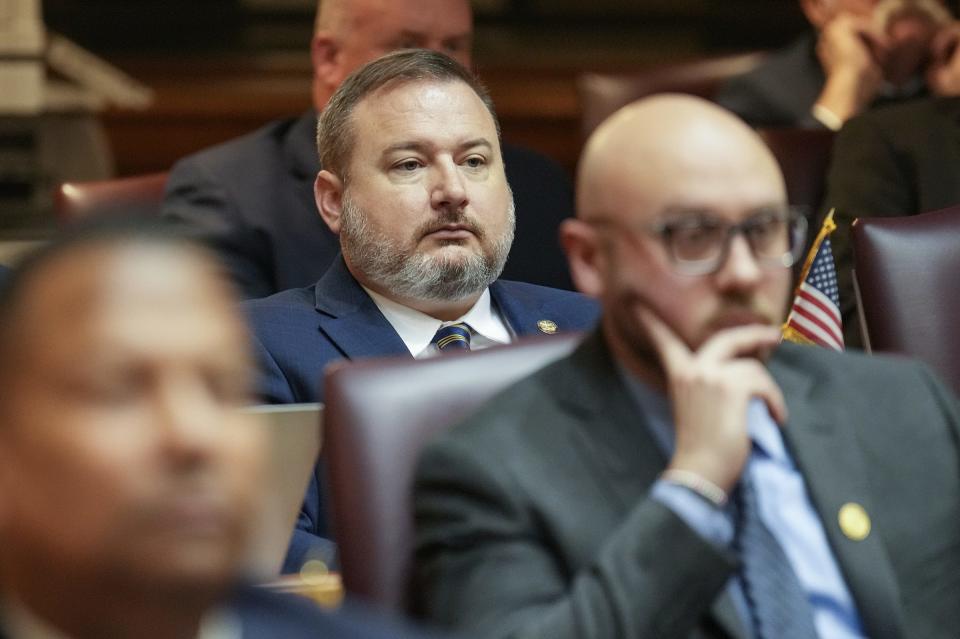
127,474
819,12
905,29
413,180
350,33
662,186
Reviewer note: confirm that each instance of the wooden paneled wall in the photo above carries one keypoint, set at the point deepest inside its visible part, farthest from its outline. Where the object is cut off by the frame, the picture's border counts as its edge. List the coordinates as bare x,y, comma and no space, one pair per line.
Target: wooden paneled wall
199,103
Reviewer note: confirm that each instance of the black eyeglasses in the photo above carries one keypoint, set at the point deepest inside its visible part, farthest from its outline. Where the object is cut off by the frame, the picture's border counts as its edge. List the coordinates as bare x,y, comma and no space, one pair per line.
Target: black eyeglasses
698,243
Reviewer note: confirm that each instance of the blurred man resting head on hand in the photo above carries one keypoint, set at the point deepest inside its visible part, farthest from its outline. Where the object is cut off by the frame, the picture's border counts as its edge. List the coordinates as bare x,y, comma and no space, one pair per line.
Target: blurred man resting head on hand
863,52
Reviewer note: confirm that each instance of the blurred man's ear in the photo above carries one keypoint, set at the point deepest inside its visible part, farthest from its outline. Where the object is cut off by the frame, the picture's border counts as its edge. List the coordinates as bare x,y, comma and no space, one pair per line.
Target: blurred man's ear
585,256
325,55
328,193
818,12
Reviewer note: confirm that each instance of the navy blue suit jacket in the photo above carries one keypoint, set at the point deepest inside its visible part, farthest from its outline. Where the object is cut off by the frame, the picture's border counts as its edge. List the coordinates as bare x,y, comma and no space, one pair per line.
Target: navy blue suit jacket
251,200
298,332
266,614
4,274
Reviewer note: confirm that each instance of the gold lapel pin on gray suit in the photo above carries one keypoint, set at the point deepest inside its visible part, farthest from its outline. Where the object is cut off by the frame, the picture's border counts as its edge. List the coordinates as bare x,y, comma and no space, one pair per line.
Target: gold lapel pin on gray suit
854,521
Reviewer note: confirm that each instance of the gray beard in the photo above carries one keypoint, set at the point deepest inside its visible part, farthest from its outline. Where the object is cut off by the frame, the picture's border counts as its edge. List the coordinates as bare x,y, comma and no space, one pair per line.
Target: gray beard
416,276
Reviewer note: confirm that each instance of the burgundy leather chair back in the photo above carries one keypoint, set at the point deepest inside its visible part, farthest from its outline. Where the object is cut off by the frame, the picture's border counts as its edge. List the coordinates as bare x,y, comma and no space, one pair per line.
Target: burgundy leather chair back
906,270
136,195
379,413
804,155
603,93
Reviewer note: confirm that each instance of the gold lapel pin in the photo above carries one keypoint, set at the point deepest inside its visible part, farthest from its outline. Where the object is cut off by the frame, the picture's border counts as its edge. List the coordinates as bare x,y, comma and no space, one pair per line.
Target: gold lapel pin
547,326
854,521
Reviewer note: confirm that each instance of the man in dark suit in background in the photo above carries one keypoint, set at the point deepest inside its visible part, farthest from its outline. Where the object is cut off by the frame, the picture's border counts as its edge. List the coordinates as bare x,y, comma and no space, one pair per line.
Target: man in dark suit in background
129,477
899,160
251,199
414,188
864,52
681,474
4,274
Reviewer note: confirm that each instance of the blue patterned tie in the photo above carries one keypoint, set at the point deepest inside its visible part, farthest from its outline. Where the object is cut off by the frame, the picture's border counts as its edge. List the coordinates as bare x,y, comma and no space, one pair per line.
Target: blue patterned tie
453,337
779,608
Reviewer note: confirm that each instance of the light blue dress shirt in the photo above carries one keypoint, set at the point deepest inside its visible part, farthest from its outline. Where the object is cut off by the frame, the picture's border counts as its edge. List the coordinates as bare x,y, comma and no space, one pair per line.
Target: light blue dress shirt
785,509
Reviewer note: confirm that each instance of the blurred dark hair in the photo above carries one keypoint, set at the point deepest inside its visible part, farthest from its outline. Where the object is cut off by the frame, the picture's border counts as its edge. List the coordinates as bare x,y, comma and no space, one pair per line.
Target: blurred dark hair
107,232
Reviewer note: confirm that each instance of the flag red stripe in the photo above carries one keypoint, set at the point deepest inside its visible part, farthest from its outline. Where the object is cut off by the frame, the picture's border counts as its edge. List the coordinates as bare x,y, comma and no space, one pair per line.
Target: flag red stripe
831,329
814,336
814,297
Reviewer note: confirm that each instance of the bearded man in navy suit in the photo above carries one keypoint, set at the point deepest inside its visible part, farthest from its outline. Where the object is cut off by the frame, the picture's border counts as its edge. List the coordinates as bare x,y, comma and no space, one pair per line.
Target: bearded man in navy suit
414,187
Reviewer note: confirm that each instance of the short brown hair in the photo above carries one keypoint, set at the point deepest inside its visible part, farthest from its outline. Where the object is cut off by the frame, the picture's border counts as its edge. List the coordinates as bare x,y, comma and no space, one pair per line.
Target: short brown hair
335,135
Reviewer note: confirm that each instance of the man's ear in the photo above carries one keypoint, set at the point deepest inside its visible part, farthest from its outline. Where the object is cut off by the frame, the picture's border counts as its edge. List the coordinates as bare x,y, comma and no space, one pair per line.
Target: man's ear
325,56
585,256
328,192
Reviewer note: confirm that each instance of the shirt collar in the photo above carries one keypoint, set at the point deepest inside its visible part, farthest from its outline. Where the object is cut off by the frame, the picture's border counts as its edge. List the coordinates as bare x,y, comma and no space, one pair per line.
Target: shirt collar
417,329
765,432
21,623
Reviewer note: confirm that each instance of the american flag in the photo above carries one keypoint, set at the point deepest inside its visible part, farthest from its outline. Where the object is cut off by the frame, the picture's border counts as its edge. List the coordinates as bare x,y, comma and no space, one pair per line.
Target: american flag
815,315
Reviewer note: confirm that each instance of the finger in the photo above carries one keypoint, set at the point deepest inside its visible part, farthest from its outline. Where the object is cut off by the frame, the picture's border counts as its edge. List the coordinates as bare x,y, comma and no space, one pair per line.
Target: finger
875,42
730,343
673,352
864,26
944,45
762,386
772,396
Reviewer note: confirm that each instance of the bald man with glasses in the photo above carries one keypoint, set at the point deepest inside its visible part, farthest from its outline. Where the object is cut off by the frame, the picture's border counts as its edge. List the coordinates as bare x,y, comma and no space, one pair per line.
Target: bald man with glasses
683,474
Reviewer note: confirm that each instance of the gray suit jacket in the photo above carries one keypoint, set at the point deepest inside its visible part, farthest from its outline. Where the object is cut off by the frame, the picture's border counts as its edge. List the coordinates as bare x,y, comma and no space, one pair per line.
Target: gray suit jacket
534,517
779,92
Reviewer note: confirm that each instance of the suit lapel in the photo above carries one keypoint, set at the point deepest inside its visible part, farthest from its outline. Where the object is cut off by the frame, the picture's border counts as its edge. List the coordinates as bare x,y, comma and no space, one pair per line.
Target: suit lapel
613,435
834,470
524,313
350,319
614,439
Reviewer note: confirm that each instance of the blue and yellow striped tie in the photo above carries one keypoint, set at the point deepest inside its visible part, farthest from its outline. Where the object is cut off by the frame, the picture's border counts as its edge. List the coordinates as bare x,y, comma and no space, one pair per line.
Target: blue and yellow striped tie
453,337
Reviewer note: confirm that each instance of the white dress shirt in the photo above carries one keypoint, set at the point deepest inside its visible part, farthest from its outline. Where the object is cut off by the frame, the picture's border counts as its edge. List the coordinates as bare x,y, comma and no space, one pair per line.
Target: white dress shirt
416,329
